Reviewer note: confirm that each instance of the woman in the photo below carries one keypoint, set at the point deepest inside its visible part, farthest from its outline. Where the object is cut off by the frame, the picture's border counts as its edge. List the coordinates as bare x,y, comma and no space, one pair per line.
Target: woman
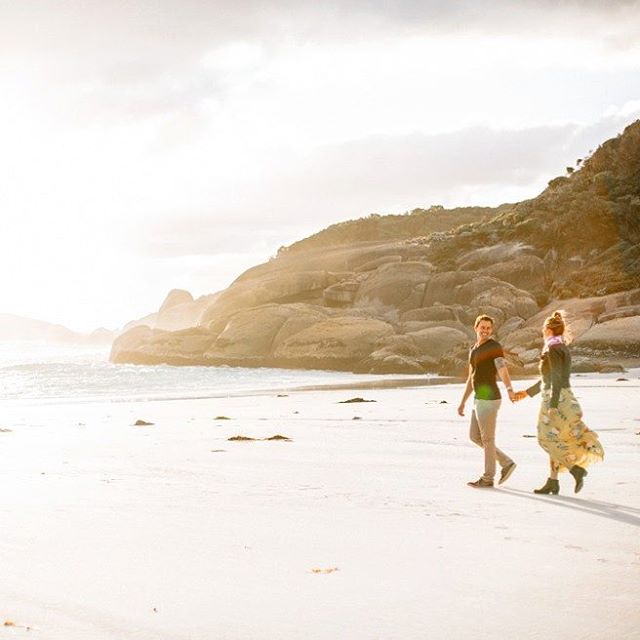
561,432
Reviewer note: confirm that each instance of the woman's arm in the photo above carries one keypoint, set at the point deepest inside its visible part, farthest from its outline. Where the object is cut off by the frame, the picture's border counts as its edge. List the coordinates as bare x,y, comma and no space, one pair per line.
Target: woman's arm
534,390
556,362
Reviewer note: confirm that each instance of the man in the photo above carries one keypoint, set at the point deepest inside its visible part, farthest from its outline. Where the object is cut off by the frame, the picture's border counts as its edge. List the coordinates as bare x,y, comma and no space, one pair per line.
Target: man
486,362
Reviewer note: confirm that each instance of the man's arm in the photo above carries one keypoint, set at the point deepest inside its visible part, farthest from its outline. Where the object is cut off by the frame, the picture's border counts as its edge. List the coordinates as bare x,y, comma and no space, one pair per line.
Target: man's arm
467,392
503,372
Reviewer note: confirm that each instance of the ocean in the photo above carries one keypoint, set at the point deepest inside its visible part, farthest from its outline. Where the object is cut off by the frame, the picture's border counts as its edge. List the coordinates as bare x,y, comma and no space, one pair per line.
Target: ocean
40,372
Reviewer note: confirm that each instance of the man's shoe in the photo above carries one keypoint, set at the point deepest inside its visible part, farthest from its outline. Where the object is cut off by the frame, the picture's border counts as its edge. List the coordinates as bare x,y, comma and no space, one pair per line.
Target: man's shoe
506,472
481,484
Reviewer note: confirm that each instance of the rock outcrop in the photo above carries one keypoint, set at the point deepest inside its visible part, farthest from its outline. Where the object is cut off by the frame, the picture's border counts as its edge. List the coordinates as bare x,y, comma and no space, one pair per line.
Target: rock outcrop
398,294
178,311
603,331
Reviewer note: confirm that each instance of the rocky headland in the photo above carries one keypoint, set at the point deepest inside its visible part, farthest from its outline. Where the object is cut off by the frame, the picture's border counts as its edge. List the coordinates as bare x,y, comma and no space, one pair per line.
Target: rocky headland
398,293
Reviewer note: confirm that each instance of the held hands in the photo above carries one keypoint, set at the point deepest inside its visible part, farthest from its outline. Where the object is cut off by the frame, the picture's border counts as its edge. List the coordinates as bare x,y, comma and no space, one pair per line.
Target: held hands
514,396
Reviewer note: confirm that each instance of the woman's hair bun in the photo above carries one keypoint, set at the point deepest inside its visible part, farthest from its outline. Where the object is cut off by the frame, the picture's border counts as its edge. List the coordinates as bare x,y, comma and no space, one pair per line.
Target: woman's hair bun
556,323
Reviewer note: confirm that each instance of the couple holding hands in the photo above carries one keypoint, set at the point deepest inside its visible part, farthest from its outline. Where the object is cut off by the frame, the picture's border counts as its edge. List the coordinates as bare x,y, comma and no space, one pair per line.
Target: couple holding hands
561,432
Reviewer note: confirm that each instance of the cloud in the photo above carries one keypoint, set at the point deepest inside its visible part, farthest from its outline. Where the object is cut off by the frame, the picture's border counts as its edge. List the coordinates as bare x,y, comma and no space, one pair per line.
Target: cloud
421,169
383,174
101,62
177,30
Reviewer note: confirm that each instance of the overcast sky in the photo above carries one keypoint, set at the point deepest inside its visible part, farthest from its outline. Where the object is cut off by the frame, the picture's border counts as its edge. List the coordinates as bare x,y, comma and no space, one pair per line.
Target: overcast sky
153,145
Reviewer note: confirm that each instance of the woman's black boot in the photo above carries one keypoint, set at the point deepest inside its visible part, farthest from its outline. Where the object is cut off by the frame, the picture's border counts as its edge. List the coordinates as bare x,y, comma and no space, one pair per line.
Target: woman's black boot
578,474
551,486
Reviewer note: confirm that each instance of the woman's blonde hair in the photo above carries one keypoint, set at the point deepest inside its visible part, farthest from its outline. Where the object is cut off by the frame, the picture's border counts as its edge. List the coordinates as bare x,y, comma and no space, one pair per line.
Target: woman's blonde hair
556,322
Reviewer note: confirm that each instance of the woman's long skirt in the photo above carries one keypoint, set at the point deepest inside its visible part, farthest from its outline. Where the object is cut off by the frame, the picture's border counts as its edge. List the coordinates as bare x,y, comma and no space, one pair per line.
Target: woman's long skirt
566,438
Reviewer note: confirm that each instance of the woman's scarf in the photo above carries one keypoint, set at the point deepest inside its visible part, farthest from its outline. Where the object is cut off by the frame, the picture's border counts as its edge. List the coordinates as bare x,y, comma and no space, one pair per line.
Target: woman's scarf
551,341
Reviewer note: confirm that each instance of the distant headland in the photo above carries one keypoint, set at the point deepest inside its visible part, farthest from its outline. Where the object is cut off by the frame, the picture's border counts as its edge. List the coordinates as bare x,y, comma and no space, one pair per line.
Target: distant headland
398,293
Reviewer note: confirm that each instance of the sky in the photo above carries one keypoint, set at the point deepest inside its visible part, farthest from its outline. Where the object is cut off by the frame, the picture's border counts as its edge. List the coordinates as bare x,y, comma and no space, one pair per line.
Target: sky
147,146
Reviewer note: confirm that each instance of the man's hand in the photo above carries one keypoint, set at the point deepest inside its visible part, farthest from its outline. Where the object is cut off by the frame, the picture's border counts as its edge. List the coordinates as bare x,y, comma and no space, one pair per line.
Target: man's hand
520,395
461,409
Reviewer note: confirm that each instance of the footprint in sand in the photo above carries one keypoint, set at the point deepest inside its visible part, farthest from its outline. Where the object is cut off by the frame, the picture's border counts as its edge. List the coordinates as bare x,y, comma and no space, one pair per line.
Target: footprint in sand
325,571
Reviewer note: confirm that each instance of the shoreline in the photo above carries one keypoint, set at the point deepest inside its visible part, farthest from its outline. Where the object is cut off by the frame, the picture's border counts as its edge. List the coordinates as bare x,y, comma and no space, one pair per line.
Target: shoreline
372,384
393,383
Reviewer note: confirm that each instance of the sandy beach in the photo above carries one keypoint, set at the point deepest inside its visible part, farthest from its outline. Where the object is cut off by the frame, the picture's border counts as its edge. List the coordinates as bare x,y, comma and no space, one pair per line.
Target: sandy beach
361,526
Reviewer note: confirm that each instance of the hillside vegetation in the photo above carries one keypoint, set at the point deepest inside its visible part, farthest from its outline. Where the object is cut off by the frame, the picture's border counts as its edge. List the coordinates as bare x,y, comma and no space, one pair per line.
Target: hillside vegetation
378,228
587,223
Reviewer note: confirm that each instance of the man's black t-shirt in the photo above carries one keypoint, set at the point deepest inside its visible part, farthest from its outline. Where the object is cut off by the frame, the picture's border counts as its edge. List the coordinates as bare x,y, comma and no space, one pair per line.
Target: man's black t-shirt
483,369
